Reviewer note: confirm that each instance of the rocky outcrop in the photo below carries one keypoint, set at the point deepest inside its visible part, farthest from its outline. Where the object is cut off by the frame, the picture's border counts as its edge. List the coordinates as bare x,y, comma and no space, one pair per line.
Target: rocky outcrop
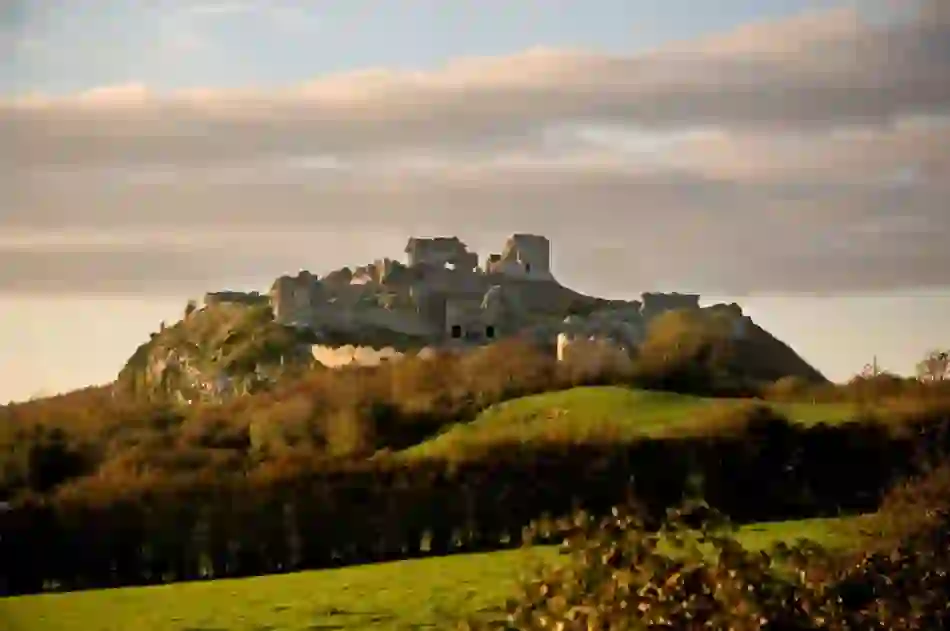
217,352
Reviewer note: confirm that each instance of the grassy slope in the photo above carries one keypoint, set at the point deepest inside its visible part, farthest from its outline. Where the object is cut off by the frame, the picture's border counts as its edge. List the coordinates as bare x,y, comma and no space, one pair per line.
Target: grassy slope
401,595
601,412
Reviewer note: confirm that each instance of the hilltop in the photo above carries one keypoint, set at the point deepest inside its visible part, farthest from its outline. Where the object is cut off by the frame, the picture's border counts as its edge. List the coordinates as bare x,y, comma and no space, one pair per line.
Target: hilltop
442,298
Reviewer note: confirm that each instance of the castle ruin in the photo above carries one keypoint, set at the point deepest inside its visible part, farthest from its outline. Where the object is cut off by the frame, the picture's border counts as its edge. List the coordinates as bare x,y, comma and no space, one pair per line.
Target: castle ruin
442,296
441,293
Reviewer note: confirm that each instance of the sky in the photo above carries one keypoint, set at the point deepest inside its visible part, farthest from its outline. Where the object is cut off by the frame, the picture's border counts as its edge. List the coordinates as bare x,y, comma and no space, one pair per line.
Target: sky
790,155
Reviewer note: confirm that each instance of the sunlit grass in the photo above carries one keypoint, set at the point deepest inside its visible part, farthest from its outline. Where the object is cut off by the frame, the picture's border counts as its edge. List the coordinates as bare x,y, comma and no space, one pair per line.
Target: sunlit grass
608,413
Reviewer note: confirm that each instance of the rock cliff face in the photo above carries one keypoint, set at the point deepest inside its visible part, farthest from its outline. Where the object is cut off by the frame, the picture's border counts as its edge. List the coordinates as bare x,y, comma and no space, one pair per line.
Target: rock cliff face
227,349
240,342
214,353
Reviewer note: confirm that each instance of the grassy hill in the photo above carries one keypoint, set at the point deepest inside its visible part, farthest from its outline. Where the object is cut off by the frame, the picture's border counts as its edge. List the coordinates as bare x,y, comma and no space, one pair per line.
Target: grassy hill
604,413
418,594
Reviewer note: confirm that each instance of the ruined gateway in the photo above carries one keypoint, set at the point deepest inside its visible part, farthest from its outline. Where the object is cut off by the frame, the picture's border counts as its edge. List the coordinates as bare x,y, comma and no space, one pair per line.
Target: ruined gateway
441,296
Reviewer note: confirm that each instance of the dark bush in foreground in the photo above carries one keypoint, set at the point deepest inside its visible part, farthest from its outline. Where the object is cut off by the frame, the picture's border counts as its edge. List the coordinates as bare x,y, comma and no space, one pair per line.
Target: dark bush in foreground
693,574
621,575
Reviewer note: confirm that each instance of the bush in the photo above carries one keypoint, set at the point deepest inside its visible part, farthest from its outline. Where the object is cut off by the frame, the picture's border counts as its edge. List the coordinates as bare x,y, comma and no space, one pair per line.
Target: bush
620,575
912,507
684,352
693,574
792,388
902,580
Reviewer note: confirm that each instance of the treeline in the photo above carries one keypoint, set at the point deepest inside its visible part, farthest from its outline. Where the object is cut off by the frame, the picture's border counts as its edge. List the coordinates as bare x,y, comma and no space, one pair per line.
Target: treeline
322,417
324,414
98,533
331,415
104,490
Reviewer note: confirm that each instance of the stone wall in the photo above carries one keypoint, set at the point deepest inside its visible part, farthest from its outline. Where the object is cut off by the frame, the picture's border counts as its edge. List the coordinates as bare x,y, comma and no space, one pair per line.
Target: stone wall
466,320
441,296
339,356
525,256
440,252
352,318
234,297
293,297
657,303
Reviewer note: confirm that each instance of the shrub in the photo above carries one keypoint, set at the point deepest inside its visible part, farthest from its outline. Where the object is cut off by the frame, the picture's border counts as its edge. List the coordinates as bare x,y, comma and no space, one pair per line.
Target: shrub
620,575
693,574
902,580
791,388
684,352
350,434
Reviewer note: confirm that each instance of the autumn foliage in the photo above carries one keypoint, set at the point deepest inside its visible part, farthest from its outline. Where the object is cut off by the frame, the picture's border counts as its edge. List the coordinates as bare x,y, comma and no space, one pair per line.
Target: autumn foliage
105,490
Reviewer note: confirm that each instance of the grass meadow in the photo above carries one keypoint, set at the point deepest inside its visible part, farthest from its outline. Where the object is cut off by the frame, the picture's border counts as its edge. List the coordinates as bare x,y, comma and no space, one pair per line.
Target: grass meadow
405,595
606,413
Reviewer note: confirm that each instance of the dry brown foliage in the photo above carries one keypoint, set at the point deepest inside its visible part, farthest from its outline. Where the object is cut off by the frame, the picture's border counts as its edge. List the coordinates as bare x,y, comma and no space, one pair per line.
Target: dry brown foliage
620,575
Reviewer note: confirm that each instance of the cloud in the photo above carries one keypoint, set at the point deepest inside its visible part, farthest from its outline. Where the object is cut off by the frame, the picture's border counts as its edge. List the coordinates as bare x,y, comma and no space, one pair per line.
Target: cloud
801,155
288,17
771,76
658,228
935,12
220,8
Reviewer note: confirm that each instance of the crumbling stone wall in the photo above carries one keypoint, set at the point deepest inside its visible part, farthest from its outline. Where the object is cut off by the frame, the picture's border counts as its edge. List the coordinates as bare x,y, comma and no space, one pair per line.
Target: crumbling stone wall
467,321
234,297
657,303
338,356
449,281
503,309
294,297
442,295
441,252
525,256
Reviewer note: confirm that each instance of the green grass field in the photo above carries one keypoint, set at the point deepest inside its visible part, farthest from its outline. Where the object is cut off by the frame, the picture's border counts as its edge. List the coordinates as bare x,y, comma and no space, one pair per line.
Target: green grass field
419,594
613,413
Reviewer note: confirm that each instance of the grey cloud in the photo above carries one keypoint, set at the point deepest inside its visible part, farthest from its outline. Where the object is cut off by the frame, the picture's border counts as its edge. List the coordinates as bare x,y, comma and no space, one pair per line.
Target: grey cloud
871,154
847,74
746,211
611,232
935,12
492,199
148,271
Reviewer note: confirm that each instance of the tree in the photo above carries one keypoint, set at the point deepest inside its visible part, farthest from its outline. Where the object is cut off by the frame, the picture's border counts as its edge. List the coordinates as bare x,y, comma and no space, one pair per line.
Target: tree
684,351
190,307
934,367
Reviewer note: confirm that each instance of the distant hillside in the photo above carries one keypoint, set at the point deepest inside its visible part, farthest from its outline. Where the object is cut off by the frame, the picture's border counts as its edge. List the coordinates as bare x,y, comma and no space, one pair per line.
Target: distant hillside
768,358
228,349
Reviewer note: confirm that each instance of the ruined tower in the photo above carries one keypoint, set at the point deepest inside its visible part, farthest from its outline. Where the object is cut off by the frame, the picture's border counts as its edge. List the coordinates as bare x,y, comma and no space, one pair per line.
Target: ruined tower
526,256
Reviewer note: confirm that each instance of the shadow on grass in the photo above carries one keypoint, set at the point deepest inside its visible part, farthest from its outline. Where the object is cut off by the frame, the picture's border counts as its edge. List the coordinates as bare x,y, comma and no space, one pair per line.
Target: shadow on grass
332,619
